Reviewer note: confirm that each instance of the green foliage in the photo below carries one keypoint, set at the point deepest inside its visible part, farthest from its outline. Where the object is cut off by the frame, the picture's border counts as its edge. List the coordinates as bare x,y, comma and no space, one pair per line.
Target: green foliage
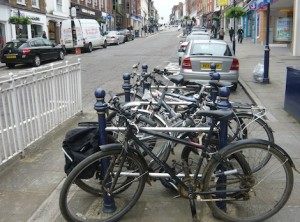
101,20
19,20
187,17
235,12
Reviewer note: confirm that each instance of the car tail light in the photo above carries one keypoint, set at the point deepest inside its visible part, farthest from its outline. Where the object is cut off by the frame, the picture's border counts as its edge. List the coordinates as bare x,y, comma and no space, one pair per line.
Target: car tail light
25,51
186,63
235,65
113,37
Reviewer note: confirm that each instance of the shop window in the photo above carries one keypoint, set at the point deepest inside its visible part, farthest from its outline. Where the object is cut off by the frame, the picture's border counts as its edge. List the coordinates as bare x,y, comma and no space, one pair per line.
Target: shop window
21,31
35,3
21,2
36,31
52,31
59,5
284,28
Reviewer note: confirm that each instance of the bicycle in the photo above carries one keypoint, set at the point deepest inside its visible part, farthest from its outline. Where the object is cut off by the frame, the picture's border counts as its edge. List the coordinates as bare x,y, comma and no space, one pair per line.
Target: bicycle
228,185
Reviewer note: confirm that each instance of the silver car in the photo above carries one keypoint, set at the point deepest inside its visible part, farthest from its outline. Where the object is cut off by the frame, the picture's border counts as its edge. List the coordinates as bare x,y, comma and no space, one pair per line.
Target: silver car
200,54
190,37
115,37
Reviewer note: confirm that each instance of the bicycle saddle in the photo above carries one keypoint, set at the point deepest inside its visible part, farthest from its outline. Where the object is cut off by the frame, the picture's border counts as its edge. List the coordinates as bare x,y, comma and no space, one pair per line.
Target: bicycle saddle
225,114
177,79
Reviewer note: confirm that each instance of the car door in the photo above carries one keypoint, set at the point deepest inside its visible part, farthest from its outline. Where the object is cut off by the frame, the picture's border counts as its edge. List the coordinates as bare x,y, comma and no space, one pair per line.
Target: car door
50,51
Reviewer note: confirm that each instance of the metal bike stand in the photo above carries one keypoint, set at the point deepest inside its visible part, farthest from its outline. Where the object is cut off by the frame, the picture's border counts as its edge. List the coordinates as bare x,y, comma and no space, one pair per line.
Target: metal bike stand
100,106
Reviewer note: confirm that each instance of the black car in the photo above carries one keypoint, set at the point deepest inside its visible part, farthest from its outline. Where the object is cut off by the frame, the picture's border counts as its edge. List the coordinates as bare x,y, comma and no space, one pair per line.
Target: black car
30,51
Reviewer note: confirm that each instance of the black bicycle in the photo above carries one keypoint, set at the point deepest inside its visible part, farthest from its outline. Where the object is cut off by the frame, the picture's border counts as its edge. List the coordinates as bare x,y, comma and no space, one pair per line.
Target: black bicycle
229,186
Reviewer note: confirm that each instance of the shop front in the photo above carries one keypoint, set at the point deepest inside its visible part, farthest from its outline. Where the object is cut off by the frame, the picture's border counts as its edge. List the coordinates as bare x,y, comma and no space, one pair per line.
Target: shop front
5,34
83,12
35,29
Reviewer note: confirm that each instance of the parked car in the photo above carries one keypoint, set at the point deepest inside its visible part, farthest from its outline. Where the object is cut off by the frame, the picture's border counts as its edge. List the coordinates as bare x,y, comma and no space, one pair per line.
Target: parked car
199,28
129,35
195,36
200,54
114,37
32,51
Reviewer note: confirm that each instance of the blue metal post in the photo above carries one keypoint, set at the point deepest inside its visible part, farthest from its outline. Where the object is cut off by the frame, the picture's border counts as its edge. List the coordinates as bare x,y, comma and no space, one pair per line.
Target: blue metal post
100,106
127,86
144,68
223,104
233,40
267,49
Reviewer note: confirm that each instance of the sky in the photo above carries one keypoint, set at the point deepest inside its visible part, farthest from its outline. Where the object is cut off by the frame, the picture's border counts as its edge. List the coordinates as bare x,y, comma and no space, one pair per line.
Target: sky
164,8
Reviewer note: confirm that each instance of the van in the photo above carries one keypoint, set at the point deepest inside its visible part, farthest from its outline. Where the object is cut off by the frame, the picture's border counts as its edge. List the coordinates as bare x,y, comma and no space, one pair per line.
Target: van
81,33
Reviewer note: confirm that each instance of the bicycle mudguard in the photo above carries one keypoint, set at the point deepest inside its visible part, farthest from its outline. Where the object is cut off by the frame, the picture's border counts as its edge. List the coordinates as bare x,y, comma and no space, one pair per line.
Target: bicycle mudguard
260,141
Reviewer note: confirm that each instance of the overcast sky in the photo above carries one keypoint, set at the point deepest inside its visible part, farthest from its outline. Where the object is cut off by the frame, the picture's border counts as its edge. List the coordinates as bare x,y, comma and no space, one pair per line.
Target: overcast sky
164,8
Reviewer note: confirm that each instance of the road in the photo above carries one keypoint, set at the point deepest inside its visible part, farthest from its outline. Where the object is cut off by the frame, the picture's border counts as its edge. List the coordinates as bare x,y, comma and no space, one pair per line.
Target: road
104,67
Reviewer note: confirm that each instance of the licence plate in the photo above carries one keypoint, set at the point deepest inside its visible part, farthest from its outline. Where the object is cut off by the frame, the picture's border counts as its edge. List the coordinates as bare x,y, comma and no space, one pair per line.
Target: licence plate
207,66
11,56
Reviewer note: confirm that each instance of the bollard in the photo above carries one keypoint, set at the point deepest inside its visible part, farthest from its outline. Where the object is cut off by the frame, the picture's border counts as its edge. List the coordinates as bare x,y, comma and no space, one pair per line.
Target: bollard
214,90
100,106
127,86
145,68
223,104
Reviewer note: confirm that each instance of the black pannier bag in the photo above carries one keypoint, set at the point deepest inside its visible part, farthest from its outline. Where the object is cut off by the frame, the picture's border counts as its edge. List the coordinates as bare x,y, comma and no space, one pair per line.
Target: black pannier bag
78,144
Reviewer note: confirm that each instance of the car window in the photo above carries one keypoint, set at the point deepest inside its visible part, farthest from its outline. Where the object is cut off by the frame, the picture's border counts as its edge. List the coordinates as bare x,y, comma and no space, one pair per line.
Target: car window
197,37
37,43
47,42
13,45
211,49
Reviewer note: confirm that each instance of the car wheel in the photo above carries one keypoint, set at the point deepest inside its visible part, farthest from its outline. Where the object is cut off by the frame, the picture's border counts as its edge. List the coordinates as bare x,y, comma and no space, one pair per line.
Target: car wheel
9,65
233,87
61,55
90,47
37,61
105,44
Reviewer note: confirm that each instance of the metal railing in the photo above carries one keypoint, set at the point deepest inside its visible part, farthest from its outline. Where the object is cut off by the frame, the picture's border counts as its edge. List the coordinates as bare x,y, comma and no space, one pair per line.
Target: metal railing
33,104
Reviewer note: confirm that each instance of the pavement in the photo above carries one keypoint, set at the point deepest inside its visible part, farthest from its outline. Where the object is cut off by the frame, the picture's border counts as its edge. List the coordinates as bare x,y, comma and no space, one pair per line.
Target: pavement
30,186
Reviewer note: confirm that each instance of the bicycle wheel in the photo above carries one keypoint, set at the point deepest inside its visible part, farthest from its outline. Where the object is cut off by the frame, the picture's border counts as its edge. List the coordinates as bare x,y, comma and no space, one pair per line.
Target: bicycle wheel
249,126
248,197
78,205
91,185
161,147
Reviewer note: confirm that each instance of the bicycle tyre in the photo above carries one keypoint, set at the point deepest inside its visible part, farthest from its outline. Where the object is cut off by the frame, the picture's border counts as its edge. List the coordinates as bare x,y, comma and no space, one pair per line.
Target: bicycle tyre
252,127
77,205
268,189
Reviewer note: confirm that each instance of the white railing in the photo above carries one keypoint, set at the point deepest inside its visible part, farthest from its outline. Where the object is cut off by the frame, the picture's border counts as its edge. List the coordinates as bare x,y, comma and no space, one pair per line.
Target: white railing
33,104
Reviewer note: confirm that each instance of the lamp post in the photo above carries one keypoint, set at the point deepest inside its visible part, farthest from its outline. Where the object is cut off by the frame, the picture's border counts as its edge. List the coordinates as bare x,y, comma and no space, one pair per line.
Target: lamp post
233,41
267,49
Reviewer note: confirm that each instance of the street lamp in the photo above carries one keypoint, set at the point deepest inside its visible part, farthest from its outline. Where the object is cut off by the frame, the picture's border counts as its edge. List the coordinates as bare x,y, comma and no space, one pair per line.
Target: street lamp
233,41
267,48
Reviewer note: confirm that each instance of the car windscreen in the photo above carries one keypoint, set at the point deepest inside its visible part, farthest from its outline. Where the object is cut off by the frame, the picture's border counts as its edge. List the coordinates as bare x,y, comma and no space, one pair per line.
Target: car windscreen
13,45
210,49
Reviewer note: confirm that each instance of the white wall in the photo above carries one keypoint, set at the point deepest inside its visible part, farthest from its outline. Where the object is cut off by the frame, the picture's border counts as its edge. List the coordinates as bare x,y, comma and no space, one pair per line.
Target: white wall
296,38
